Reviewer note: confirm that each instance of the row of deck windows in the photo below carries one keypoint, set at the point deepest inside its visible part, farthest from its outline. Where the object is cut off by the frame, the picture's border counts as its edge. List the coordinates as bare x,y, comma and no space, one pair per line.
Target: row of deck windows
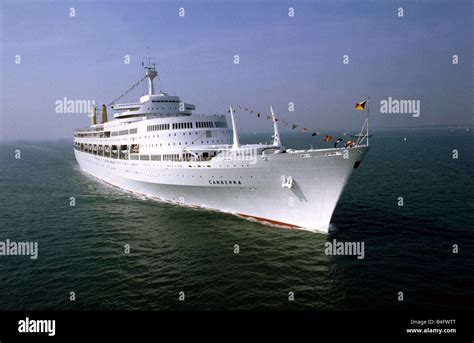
204,124
107,134
188,125
174,101
126,152
157,127
185,143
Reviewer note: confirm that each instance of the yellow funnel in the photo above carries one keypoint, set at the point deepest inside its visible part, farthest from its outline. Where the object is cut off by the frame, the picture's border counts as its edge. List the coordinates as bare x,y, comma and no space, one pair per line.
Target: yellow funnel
104,114
93,115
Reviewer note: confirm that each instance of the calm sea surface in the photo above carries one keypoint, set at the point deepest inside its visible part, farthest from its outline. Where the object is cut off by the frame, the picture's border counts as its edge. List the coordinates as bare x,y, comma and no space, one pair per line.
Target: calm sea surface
174,249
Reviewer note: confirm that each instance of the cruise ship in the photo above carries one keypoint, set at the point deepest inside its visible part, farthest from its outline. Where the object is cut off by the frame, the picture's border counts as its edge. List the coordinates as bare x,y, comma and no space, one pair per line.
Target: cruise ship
158,148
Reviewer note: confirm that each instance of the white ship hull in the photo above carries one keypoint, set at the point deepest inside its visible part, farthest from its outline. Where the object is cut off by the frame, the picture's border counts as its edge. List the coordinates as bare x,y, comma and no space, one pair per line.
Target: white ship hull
158,148
251,189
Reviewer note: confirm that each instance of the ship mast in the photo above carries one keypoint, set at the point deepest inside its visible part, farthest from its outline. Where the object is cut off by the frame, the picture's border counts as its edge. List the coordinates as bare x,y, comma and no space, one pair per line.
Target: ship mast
276,132
235,146
150,73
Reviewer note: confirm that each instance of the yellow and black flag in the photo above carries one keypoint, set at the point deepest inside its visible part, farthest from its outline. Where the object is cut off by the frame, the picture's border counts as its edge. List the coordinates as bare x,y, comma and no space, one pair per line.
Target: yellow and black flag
360,105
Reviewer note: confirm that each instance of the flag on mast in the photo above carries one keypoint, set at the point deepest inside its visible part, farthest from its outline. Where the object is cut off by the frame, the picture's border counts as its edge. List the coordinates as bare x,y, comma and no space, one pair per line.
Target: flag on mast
360,105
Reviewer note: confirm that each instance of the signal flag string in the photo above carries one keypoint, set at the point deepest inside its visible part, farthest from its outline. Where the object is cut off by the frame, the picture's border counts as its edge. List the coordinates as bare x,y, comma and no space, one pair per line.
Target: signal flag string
327,138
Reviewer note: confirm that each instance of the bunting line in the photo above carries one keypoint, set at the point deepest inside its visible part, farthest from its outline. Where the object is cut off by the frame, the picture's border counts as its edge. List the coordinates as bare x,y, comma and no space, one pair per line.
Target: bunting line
292,126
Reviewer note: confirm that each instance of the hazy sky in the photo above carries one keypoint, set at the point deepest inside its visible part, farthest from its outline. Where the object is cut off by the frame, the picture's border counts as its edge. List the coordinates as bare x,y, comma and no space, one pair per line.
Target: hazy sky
282,59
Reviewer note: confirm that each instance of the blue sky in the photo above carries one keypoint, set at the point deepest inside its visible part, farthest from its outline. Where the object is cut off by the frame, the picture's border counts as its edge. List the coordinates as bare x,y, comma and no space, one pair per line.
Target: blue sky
282,59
